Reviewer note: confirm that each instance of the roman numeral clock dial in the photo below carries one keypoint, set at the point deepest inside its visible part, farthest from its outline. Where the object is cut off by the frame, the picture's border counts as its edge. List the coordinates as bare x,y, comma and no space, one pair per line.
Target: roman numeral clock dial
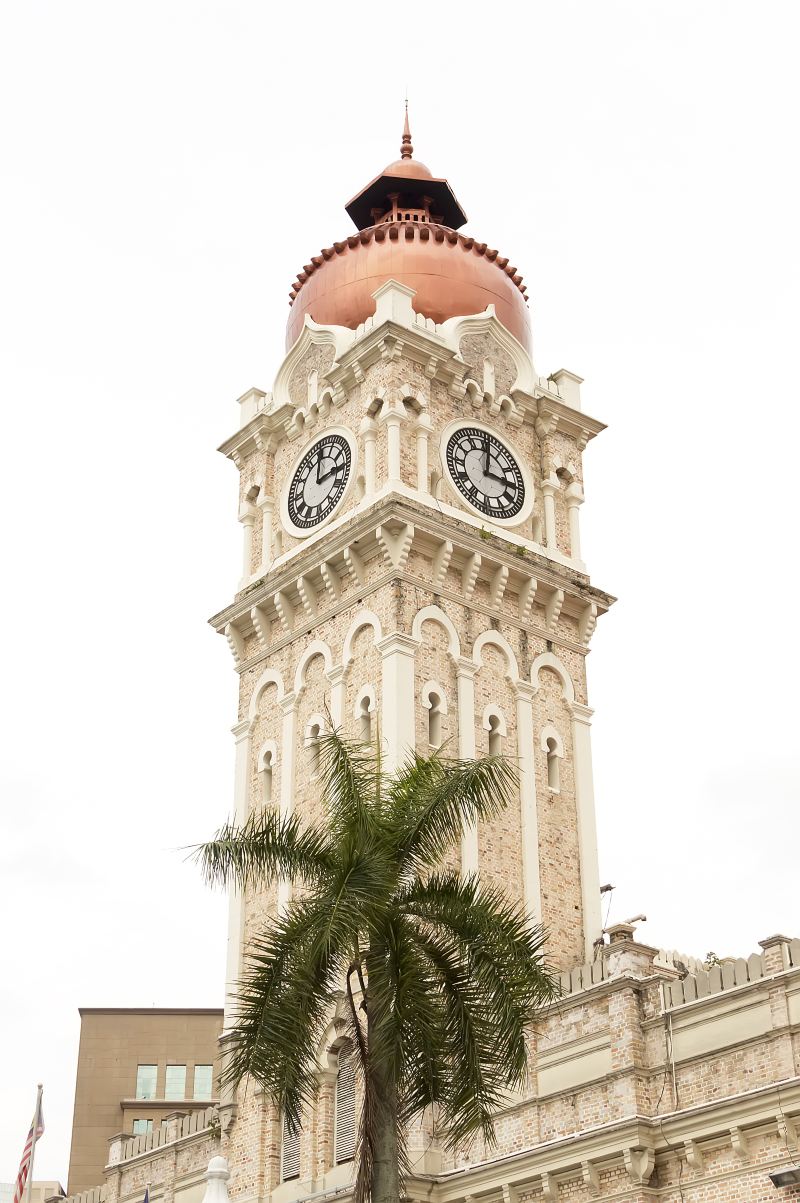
319,481
485,472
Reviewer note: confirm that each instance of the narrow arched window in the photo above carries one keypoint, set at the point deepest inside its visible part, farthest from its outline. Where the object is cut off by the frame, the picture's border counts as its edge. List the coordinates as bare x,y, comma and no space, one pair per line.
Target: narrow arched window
290,1153
495,735
553,766
266,779
344,1139
435,720
314,733
364,721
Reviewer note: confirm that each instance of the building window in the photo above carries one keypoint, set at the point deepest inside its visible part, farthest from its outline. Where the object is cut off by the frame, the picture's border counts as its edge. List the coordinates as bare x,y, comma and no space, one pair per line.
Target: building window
175,1087
344,1139
142,1127
364,721
266,779
495,735
203,1081
290,1154
434,700
553,771
313,735
146,1076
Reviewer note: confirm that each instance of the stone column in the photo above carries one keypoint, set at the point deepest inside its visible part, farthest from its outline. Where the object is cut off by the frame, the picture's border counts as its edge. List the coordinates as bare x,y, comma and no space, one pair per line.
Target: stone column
393,418
288,753
369,430
587,829
267,505
574,499
549,490
397,709
242,732
424,427
337,676
465,684
247,517
531,883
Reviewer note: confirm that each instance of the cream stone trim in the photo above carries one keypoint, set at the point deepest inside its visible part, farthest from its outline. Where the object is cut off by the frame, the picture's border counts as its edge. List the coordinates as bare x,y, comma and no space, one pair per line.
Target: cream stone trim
341,338
365,693
465,685
550,732
492,711
316,648
425,696
527,476
364,618
548,660
436,614
270,676
398,732
529,814
587,824
242,732
456,328
498,640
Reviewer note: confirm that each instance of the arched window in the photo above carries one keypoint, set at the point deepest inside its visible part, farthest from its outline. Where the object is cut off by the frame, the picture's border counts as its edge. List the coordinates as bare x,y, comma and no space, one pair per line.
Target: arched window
363,712
494,724
344,1137
266,777
313,733
434,700
495,736
290,1153
553,770
435,720
553,749
364,721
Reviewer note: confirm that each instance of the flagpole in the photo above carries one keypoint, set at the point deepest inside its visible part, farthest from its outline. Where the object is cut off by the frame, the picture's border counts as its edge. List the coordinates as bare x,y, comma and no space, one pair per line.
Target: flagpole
37,1115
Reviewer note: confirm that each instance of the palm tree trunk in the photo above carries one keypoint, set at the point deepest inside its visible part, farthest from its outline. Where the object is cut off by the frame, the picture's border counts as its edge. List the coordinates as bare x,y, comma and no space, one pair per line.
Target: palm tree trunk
385,1185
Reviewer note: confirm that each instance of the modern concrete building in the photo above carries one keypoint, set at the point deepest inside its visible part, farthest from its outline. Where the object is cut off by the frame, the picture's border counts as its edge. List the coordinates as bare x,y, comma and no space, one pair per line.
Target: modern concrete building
135,1067
409,496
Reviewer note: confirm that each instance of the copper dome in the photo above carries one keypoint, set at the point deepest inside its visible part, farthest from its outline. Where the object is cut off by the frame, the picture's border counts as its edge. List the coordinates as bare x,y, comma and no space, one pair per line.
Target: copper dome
407,221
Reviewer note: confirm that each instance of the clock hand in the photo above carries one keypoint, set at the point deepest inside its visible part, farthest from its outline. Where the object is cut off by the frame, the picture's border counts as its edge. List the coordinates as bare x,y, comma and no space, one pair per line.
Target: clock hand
485,456
332,472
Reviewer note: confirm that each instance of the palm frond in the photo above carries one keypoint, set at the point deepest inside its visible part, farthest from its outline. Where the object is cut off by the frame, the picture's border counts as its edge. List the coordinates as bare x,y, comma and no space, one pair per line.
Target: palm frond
432,798
266,846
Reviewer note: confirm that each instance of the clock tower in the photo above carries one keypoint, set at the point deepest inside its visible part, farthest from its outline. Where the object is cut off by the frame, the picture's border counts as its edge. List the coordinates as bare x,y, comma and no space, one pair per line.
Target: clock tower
409,498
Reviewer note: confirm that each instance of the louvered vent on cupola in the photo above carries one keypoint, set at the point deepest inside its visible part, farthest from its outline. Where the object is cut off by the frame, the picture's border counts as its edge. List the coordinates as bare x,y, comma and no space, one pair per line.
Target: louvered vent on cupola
345,1118
290,1154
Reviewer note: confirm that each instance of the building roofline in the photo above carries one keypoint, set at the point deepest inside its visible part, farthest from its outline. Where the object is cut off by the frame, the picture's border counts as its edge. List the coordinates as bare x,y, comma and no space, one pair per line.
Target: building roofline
150,1011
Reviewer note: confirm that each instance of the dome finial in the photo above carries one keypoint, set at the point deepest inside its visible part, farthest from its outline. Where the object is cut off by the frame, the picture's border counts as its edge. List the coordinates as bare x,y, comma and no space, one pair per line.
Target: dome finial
406,149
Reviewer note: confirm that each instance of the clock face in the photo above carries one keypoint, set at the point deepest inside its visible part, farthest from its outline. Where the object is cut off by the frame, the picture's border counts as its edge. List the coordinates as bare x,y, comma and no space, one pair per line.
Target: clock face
485,472
319,481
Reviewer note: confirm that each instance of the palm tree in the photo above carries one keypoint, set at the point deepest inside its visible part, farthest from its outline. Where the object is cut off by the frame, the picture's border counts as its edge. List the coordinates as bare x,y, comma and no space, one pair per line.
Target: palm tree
442,974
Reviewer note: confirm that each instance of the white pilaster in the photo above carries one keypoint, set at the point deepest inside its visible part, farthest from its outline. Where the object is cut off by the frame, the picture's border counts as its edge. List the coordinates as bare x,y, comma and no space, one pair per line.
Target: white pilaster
424,427
247,517
288,705
233,965
529,816
369,430
574,499
338,679
587,828
393,418
398,707
465,683
549,489
266,505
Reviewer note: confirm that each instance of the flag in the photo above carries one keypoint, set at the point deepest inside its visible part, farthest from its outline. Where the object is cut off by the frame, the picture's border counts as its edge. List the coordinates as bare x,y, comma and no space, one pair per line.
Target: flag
37,1128
146,1198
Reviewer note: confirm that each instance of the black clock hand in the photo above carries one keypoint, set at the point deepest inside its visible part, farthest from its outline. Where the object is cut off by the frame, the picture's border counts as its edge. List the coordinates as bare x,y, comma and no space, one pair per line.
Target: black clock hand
485,456
333,471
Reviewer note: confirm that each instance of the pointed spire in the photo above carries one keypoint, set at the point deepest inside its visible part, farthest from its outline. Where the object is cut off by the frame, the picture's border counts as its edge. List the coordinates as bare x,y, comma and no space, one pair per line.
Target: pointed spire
406,149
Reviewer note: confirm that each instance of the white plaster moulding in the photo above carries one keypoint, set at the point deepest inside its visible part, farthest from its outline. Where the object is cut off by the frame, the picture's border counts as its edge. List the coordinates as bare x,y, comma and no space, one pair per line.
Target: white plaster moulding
298,603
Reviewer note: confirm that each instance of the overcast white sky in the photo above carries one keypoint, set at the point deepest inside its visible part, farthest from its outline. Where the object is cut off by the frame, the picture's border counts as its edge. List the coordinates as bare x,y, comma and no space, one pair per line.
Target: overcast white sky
167,168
